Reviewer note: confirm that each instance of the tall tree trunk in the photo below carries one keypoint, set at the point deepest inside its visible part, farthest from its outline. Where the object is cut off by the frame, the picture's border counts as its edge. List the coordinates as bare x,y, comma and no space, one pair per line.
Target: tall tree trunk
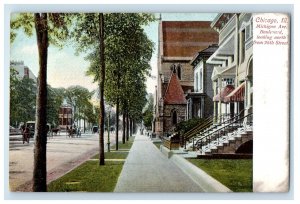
134,126
117,124
101,90
124,128
40,158
131,133
127,126
83,125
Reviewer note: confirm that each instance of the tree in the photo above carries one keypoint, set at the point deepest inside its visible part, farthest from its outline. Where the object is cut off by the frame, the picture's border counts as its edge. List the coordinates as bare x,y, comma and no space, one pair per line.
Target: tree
54,100
128,52
148,112
22,98
50,28
101,87
79,98
88,34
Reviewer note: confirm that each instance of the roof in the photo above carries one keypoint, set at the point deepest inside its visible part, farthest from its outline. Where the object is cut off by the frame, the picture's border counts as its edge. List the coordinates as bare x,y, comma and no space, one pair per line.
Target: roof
174,93
185,38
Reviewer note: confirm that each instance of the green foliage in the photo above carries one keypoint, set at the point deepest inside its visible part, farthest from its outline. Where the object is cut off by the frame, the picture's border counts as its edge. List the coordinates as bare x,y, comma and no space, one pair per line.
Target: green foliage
128,52
79,98
23,21
54,100
148,113
58,25
22,98
187,125
236,174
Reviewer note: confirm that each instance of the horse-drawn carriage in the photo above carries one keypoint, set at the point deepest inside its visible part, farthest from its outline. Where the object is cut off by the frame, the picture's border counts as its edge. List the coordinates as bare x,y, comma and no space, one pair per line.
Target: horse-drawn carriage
73,131
28,131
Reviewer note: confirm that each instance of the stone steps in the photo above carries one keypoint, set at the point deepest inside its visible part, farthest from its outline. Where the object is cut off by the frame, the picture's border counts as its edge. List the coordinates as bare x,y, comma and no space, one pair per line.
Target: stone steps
226,144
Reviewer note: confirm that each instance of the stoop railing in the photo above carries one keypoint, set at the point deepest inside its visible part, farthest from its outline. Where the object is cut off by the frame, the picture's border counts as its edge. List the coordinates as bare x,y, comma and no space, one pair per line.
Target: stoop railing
216,135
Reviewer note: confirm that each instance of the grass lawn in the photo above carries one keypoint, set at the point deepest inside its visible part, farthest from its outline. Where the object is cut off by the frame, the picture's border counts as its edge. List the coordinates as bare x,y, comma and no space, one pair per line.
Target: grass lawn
125,146
157,144
236,174
91,177
113,155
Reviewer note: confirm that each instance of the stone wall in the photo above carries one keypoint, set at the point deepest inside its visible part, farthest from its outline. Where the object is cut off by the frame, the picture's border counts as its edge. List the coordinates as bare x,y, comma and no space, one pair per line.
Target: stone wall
186,70
168,110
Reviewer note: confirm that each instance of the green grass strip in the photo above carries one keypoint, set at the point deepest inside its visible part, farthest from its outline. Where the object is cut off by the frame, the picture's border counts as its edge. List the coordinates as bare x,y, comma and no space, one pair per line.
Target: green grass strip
236,174
91,177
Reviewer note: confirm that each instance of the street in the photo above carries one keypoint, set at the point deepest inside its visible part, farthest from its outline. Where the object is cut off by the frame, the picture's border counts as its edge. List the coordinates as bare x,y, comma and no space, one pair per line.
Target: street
63,154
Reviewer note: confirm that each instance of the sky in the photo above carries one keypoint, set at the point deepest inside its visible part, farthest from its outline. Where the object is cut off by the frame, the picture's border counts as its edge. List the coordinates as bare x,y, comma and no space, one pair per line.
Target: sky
66,69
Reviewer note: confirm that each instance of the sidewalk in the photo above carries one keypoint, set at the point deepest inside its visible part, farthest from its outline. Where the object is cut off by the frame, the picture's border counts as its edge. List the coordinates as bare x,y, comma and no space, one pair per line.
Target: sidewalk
146,169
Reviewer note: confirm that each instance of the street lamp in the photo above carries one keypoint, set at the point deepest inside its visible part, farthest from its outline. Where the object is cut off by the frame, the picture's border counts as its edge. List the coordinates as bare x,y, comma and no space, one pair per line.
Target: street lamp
108,129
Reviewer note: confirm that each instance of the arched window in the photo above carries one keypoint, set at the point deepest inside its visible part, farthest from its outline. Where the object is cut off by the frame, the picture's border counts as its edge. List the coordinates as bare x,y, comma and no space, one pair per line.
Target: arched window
174,118
179,71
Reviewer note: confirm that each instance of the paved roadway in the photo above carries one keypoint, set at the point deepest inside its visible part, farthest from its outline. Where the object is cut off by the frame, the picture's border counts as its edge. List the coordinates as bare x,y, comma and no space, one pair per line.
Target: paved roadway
63,154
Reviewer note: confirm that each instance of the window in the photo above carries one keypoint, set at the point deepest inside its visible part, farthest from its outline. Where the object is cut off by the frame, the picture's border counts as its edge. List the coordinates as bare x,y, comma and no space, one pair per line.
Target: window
26,72
243,38
174,118
179,71
201,79
227,81
196,82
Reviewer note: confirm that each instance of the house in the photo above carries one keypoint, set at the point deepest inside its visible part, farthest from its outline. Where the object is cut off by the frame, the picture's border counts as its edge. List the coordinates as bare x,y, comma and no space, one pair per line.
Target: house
200,101
230,131
233,67
178,41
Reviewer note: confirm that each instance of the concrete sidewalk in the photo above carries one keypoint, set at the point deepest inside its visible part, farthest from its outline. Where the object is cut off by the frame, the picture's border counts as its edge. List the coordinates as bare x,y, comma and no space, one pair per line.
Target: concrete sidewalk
146,169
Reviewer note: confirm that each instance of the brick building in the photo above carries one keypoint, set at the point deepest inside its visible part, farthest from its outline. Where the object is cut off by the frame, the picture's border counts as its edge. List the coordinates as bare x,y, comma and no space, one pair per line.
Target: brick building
178,43
65,116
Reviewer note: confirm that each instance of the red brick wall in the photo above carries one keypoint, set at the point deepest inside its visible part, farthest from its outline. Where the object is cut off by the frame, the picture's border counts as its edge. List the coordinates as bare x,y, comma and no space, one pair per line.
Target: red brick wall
184,39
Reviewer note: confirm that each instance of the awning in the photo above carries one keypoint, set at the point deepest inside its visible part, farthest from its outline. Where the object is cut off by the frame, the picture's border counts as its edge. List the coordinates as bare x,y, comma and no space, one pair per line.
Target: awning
237,95
224,92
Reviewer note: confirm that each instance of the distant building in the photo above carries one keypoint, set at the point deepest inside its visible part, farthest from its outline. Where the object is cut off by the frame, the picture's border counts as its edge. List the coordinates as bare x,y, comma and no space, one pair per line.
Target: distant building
200,101
178,42
22,70
65,116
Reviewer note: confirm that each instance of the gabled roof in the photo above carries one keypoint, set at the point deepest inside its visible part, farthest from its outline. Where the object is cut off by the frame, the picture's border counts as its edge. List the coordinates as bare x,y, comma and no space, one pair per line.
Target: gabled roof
207,52
174,93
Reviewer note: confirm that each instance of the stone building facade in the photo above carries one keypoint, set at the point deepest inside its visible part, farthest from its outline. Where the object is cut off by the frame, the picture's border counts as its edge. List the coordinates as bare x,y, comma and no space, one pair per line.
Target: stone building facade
178,42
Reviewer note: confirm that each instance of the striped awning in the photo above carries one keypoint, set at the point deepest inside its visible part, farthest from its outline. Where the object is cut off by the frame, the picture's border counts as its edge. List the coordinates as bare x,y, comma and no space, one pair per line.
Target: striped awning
224,92
237,95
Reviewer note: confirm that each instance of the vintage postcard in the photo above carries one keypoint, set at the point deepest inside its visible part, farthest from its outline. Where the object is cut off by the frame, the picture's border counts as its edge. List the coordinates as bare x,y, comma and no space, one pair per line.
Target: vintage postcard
149,102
